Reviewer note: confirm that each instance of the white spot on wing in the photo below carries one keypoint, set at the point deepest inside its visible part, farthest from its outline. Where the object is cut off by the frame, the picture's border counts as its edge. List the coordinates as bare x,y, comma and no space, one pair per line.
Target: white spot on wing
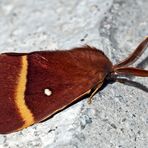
47,92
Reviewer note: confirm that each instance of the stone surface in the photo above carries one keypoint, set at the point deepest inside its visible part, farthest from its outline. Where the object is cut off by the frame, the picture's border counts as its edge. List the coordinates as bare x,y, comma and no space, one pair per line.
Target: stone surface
118,116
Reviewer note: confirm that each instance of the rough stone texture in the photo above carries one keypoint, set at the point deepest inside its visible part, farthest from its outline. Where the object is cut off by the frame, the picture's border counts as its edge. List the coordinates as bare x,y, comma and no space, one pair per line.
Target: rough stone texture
118,116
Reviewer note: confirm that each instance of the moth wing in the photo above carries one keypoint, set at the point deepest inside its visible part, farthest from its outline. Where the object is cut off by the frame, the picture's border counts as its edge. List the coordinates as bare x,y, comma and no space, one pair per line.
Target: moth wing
10,118
56,79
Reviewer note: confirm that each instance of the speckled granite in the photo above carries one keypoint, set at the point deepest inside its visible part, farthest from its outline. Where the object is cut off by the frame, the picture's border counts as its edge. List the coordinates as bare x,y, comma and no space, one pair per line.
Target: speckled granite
118,116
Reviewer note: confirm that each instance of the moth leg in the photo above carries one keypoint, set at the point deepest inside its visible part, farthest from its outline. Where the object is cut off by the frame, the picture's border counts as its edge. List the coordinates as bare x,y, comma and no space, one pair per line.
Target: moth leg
93,93
123,81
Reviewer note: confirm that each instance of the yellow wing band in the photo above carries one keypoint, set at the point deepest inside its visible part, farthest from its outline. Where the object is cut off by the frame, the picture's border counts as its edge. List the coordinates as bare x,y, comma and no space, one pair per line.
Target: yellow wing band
24,111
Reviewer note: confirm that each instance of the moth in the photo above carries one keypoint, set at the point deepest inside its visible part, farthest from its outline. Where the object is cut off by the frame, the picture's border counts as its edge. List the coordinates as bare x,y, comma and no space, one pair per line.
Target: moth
36,85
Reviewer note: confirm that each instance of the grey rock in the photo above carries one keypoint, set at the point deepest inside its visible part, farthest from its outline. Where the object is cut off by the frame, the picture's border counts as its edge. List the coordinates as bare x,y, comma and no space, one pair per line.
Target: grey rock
118,116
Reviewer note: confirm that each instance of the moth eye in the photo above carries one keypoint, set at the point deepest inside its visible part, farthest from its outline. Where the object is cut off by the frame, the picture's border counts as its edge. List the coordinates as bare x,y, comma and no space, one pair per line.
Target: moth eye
47,92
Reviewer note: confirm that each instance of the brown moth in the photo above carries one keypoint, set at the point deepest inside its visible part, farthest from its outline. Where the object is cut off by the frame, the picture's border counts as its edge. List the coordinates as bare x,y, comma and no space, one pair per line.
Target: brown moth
36,85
